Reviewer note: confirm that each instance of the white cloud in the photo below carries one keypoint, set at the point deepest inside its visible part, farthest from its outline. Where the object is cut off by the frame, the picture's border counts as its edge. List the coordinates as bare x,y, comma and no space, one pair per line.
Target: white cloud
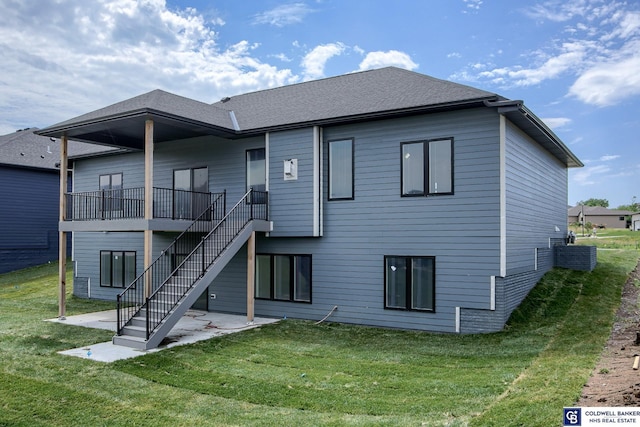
286,14
588,175
473,4
63,59
572,56
357,49
282,57
609,157
556,122
454,55
384,59
555,11
609,82
602,56
314,61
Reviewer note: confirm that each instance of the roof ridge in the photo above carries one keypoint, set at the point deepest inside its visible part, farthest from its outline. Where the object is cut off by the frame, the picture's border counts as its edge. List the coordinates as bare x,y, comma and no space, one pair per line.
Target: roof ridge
323,79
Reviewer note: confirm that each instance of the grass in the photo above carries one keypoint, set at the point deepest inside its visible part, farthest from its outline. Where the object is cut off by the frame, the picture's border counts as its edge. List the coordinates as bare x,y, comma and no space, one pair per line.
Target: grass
299,373
609,238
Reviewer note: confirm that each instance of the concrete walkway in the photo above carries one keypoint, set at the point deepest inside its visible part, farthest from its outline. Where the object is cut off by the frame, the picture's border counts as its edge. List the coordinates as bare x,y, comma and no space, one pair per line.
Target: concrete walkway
194,326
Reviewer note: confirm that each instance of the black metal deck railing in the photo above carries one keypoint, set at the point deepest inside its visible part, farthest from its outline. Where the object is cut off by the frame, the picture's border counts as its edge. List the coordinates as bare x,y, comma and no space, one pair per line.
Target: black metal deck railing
128,203
184,262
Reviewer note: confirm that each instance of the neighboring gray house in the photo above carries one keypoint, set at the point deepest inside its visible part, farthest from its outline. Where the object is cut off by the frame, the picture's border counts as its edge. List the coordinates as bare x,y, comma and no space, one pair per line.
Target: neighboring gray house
635,221
599,216
403,200
29,198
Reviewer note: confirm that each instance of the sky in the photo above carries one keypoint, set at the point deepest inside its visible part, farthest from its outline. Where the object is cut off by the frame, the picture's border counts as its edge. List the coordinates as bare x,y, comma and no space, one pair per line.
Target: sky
574,63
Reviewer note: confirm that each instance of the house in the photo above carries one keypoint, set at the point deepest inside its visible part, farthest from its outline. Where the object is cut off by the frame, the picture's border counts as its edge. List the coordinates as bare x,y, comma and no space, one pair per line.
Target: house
29,193
635,221
599,216
384,197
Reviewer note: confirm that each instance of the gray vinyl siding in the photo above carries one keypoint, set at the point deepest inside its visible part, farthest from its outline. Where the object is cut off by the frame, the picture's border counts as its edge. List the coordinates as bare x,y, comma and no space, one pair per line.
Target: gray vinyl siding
460,230
87,247
86,172
536,199
225,160
28,217
226,165
291,201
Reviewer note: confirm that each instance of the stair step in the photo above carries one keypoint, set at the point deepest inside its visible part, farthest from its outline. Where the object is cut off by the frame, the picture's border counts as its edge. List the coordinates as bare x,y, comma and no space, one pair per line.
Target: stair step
130,341
138,321
134,331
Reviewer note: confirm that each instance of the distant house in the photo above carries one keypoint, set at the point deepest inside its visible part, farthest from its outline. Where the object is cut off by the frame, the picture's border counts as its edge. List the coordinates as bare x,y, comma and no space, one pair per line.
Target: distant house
29,197
635,221
599,216
385,197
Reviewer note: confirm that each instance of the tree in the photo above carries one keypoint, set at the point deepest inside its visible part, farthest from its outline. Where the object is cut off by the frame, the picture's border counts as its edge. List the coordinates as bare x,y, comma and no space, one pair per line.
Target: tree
633,207
595,202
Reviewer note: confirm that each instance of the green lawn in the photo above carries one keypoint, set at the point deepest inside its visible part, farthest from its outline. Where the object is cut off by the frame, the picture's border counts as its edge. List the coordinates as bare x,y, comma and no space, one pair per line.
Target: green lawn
297,373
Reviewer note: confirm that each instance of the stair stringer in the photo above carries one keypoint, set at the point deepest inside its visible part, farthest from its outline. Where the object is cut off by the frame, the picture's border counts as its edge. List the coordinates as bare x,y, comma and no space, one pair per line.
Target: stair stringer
196,290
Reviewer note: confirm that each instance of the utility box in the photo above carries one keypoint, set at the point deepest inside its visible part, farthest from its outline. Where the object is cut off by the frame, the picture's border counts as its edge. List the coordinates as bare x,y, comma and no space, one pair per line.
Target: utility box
290,169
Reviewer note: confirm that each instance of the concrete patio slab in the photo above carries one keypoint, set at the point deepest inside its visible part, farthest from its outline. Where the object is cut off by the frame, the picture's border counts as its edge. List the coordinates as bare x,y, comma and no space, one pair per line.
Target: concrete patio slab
194,326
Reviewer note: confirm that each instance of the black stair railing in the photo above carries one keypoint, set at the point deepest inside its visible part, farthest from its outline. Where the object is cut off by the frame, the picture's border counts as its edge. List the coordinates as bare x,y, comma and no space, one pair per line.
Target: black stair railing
164,299
190,268
130,300
128,203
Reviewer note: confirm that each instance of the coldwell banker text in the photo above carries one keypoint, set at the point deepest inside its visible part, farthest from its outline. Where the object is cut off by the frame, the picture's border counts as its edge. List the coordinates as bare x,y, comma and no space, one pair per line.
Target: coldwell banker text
585,417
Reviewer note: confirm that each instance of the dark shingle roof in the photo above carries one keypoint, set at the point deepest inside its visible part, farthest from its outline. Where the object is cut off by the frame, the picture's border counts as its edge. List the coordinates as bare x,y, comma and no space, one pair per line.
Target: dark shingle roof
158,101
596,210
373,92
366,95
24,148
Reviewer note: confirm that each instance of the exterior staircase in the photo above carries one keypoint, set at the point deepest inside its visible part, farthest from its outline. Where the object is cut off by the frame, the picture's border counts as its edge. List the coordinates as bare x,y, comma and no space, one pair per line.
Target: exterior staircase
152,305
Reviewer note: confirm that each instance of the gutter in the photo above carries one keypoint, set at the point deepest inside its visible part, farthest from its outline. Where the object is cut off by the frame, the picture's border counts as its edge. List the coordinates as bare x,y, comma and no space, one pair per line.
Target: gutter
517,111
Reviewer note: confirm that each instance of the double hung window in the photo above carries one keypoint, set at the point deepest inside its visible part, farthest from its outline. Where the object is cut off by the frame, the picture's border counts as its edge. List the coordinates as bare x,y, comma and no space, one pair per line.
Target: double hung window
117,268
283,277
427,167
410,283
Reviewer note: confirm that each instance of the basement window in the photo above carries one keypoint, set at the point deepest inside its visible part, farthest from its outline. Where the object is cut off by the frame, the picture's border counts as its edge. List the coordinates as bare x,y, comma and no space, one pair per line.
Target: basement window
409,283
117,268
283,278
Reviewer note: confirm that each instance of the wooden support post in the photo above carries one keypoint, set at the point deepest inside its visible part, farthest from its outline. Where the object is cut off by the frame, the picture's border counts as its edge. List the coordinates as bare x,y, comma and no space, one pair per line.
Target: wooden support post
62,240
251,273
148,201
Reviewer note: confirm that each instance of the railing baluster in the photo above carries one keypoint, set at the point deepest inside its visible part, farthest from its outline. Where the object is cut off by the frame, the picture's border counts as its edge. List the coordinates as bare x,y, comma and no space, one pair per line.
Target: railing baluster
217,234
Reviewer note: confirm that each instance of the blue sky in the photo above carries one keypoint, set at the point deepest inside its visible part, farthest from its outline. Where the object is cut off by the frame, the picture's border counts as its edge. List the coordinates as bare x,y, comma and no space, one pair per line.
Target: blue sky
575,63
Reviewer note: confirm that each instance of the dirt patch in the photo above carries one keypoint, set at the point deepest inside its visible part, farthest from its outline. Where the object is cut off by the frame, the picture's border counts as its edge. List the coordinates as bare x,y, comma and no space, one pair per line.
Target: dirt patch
614,382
